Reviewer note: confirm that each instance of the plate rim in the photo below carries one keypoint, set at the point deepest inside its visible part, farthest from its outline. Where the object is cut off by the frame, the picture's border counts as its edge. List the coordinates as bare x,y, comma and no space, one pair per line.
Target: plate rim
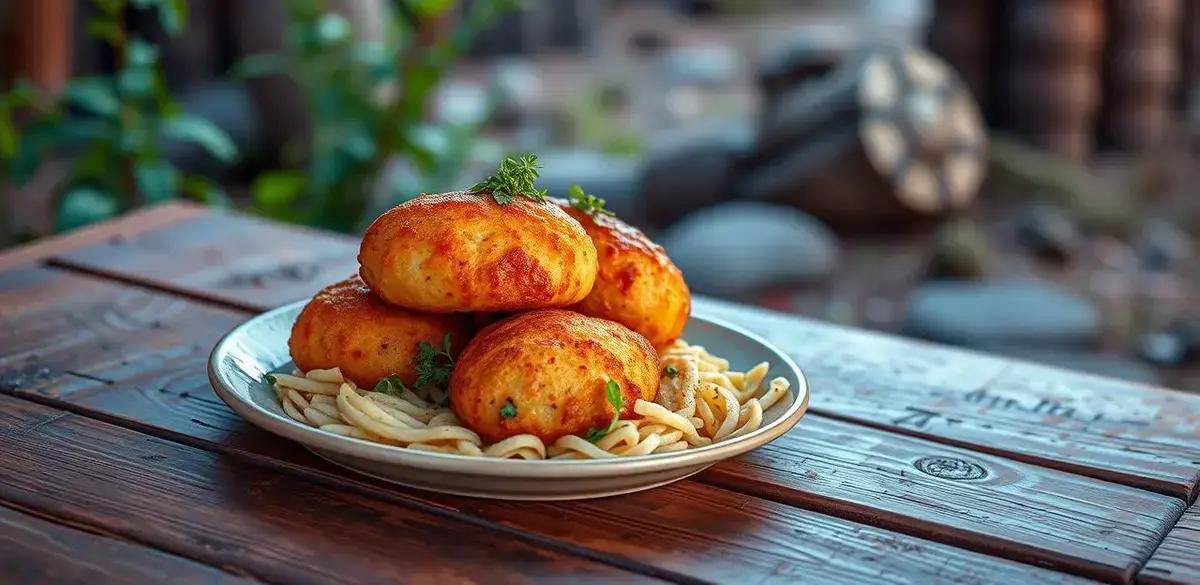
307,436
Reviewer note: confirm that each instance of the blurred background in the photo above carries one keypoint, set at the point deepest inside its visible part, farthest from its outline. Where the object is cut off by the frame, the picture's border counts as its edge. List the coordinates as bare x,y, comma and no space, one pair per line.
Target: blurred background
1014,176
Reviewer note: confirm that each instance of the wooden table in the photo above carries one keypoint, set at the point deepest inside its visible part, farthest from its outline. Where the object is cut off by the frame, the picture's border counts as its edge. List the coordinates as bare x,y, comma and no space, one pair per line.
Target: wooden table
917,463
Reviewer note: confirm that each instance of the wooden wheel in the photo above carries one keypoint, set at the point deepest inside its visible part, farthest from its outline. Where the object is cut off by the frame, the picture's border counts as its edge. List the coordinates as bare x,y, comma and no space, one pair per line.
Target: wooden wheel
894,135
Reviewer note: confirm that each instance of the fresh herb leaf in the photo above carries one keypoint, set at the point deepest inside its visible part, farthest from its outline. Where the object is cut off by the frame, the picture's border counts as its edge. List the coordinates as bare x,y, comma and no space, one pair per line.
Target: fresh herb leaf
586,202
390,385
434,365
270,379
671,372
612,392
514,178
509,409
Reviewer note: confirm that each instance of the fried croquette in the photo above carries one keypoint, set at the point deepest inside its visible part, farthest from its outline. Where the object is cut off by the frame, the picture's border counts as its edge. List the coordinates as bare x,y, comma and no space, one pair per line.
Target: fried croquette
347,326
465,252
544,373
637,285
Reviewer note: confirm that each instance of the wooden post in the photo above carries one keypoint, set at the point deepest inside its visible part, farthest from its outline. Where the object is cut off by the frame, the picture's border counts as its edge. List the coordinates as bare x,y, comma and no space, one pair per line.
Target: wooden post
1141,73
1052,74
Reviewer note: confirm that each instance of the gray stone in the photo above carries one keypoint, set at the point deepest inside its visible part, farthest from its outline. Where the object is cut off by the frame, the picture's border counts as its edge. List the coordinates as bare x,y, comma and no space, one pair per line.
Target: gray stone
1163,246
1176,345
734,249
976,314
960,250
1047,232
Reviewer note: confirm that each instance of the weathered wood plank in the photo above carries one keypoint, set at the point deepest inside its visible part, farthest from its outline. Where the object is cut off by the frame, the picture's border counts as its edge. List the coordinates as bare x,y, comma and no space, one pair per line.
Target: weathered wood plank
33,550
124,227
64,332
1177,560
1111,429
229,258
1015,510
689,528
167,390
208,507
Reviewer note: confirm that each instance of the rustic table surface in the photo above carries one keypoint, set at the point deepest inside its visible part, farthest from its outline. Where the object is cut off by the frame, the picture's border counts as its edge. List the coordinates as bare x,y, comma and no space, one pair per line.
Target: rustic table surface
917,463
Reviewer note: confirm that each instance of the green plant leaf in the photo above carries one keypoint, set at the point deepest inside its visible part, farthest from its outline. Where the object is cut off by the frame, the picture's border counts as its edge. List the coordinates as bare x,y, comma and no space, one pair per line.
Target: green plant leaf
94,94
173,15
156,181
275,189
429,8
204,190
199,130
105,30
260,64
332,28
81,206
141,53
136,82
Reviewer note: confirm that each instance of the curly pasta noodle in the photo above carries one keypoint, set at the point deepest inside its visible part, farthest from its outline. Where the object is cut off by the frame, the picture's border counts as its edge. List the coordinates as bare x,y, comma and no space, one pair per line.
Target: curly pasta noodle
700,401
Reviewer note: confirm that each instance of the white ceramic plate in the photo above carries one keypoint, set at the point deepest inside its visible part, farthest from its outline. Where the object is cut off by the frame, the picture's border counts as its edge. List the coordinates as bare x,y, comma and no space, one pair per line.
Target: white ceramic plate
243,357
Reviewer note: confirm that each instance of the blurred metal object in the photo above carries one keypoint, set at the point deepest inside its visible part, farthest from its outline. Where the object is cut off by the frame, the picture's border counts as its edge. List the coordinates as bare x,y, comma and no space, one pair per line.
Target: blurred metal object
1141,73
811,54
1052,73
891,136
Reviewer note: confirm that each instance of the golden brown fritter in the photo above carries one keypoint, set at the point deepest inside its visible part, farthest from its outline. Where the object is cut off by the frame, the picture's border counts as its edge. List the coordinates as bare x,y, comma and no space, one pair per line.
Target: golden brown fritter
347,326
465,252
553,365
637,286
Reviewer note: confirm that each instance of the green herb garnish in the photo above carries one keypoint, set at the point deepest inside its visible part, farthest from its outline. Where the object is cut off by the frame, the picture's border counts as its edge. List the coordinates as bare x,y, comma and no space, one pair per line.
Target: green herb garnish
586,202
390,385
514,177
509,409
434,365
671,372
270,378
612,392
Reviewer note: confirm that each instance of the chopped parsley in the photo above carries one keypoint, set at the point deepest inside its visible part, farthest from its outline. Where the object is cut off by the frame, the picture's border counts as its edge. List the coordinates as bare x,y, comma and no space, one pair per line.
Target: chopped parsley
586,202
514,178
509,410
434,365
390,385
612,392
671,372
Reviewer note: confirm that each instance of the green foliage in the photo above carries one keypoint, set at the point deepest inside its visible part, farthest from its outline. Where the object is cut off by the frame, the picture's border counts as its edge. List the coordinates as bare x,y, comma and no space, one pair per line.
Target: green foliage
110,129
586,202
515,177
612,393
367,102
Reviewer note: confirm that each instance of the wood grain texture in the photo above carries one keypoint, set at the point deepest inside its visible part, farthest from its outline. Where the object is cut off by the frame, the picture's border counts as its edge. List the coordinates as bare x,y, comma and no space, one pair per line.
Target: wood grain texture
688,529
126,226
980,502
1177,560
33,550
215,510
1115,430
231,259
65,332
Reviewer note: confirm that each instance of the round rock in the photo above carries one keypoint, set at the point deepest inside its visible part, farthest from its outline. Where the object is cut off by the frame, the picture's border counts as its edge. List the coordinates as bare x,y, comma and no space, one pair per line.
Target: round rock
735,249
976,314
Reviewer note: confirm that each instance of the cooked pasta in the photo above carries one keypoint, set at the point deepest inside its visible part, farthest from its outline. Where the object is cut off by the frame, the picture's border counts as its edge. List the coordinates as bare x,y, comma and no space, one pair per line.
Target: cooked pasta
700,401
